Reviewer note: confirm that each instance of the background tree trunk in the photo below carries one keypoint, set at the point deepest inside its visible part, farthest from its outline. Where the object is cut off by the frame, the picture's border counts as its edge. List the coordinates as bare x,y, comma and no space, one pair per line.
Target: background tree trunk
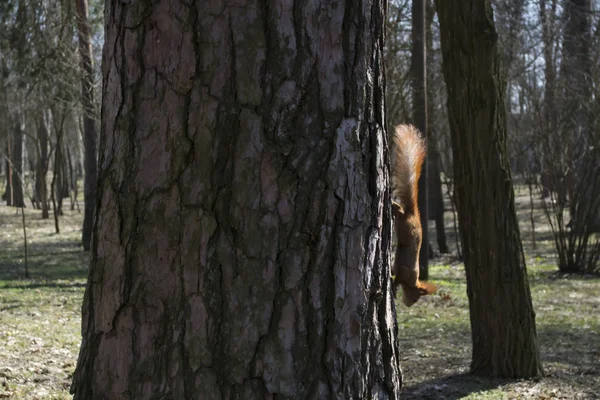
42,165
59,181
18,197
435,192
436,195
502,316
550,169
243,221
419,82
89,127
65,175
577,137
8,192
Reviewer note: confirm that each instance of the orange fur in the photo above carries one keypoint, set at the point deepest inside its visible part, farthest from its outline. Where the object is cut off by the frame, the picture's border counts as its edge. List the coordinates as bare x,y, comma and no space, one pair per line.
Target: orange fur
408,156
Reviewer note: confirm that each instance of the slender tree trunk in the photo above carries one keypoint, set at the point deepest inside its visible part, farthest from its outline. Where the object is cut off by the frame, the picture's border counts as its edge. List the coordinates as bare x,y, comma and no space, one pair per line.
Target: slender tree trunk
531,211
66,176
55,210
80,147
72,181
8,193
243,221
502,316
25,251
42,166
34,161
59,180
435,193
89,127
18,198
419,84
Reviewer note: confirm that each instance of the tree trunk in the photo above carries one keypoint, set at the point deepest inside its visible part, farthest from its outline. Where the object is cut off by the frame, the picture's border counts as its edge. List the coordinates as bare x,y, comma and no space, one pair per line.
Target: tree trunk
66,176
502,317
59,181
434,170
8,192
42,166
419,86
89,127
18,198
436,195
243,223
578,135
34,161
80,148
549,168
72,181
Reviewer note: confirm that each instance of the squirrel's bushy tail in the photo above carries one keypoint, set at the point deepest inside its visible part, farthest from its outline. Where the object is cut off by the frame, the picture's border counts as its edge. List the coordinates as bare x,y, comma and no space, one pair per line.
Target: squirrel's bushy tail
408,155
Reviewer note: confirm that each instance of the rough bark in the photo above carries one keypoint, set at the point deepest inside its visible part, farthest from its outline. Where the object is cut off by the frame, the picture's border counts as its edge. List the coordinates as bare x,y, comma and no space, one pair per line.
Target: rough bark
242,233
419,90
90,135
502,317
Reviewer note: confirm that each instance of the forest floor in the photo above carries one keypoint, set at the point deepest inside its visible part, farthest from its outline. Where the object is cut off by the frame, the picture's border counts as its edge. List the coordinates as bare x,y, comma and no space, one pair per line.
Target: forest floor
435,334
40,319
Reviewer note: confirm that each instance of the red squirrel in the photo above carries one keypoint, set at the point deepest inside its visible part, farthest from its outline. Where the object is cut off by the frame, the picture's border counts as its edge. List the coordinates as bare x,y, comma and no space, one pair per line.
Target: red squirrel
408,155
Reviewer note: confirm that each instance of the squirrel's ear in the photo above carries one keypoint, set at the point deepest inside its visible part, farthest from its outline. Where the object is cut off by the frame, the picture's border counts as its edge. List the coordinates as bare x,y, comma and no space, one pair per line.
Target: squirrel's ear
397,209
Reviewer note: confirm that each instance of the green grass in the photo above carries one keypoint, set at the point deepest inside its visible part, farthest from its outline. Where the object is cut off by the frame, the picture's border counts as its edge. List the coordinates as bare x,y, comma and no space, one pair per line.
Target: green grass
40,320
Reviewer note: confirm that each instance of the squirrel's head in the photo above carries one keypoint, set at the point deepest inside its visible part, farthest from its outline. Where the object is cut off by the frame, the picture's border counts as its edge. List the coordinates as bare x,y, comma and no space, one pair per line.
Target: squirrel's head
410,295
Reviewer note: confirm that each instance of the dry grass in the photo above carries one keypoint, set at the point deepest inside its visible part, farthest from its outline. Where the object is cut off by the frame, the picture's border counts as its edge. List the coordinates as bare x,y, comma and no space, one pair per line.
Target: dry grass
435,335
39,317
436,343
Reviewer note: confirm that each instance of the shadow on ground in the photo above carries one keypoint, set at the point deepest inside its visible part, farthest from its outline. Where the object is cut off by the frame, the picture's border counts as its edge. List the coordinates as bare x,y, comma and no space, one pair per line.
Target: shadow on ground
570,358
451,387
59,260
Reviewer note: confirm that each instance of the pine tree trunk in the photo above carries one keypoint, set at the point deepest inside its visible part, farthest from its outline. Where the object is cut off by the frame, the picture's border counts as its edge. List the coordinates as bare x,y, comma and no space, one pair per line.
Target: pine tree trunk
502,317
243,223
89,127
